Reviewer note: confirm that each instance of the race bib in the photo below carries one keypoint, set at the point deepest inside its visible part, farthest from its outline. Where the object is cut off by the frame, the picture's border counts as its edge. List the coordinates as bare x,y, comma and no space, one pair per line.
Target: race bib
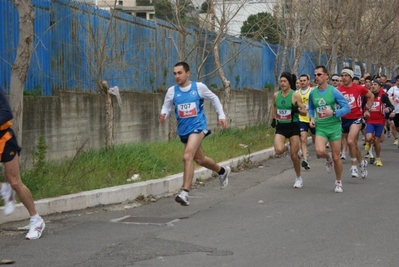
187,110
321,112
375,106
284,115
351,101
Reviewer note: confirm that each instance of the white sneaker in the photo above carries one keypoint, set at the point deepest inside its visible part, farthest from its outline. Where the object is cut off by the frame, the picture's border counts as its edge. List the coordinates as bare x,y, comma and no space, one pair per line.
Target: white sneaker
36,229
343,155
298,183
354,172
182,199
8,198
224,179
363,169
338,188
329,163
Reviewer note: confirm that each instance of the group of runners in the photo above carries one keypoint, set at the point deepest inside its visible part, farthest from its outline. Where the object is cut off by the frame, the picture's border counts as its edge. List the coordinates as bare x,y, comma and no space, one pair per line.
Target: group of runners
334,112
389,96
331,113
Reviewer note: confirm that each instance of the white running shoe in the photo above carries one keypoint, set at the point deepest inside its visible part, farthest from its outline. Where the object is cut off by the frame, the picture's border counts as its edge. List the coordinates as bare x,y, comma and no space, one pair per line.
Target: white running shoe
8,198
182,199
343,155
338,188
363,169
224,179
36,229
298,183
329,163
354,172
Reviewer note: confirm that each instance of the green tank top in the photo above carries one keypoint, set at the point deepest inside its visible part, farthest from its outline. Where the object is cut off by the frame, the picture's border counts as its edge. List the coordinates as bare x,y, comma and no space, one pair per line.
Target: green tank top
284,108
324,102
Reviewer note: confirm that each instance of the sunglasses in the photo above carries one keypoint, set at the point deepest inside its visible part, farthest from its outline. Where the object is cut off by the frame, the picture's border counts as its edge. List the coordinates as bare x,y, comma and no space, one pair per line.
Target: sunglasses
335,80
318,74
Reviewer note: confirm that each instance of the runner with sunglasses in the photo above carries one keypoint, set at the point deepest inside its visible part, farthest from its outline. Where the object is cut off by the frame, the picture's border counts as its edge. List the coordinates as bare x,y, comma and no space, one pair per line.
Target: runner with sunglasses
325,117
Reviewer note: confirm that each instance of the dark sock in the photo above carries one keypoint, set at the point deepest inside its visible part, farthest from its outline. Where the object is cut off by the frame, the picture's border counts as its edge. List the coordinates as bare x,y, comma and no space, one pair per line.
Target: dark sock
222,171
186,190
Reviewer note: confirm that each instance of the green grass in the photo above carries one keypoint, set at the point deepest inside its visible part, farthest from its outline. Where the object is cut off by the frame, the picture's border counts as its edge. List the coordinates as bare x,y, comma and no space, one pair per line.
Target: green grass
100,169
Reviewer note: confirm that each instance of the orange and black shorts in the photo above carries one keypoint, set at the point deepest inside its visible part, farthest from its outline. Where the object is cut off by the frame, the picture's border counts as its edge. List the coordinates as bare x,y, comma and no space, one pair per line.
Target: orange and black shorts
8,145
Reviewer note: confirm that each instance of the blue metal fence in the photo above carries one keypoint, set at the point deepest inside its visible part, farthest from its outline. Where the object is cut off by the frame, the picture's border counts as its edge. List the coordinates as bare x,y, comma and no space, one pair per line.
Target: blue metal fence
76,46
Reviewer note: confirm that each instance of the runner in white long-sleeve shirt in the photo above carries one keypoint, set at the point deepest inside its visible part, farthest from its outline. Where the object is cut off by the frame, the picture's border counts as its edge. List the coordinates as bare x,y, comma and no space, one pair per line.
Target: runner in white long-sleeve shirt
188,99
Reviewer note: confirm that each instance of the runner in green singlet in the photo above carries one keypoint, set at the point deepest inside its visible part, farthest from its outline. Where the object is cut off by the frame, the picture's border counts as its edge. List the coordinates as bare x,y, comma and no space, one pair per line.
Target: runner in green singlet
325,116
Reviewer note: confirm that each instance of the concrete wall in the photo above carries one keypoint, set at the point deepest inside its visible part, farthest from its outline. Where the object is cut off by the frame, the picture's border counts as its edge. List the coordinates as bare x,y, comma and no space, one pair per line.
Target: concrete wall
72,121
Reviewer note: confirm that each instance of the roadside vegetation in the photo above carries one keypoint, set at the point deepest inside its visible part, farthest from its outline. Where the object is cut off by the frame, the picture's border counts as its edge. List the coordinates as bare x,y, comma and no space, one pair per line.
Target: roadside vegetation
91,170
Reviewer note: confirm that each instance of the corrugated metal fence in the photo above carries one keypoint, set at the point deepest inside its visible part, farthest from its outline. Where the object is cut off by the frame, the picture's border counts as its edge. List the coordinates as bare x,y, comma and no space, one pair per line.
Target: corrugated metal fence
76,46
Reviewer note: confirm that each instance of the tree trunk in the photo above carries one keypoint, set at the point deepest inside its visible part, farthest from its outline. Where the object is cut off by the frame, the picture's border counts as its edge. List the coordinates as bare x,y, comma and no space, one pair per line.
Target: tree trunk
296,44
334,55
109,120
226,83
20,67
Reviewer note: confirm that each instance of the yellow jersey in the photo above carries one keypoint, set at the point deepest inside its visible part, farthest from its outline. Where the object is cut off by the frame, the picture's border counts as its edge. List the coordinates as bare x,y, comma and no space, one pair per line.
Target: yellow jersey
305,101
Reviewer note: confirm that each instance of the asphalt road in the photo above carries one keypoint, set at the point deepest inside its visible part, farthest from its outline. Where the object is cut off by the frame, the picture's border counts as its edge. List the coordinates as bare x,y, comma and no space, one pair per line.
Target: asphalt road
258,220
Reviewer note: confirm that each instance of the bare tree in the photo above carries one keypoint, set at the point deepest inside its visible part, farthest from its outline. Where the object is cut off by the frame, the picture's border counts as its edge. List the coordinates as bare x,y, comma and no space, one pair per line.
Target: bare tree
20,67
101,53
374,26
221,14
300,20
293,24
329,22
354,30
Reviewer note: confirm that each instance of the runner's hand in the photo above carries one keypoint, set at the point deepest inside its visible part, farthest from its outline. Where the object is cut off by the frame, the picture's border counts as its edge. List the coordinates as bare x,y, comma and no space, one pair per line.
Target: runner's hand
274,123
312,123
162,118
223,123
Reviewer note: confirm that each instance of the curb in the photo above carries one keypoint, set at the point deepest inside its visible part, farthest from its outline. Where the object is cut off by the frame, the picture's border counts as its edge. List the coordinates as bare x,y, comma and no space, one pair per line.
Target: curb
122,193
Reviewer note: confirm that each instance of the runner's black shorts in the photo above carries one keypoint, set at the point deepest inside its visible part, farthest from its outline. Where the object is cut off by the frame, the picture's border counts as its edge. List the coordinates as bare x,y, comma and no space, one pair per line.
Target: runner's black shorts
287,129
8,145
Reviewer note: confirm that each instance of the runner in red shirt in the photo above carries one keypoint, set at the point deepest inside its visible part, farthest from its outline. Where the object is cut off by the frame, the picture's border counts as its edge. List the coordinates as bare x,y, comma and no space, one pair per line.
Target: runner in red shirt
352,122
376,122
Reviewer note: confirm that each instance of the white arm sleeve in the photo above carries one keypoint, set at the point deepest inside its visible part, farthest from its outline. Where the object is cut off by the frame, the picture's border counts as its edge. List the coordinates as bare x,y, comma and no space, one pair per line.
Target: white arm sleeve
204,92
168,102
